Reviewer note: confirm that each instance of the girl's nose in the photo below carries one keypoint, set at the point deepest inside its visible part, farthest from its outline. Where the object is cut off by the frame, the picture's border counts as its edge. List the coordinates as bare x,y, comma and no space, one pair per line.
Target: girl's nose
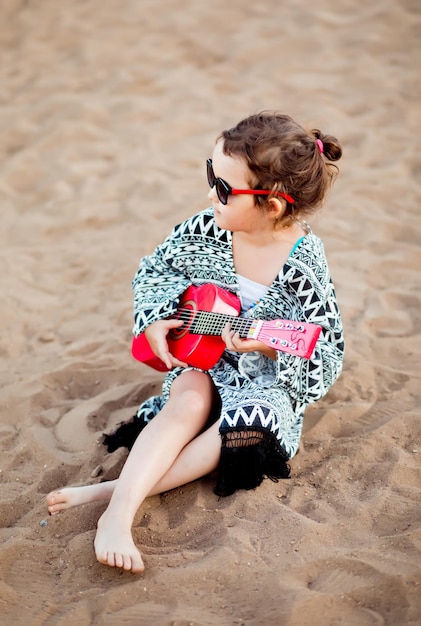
212,194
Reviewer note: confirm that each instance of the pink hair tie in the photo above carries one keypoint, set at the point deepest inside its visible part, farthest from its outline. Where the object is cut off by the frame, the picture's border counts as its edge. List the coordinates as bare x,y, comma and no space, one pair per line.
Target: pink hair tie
320,145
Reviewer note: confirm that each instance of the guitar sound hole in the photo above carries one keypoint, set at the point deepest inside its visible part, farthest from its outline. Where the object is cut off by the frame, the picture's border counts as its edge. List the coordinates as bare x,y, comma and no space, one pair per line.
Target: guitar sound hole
187,314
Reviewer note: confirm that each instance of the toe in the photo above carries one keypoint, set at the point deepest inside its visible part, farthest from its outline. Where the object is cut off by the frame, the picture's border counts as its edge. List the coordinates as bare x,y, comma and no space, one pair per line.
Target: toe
103,558
52,508
138,568
119,561
137,565
51,499
127,563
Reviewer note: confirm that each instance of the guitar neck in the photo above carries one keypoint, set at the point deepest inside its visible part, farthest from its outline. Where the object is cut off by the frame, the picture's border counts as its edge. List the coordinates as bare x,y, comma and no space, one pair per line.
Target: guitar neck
297,338
210,323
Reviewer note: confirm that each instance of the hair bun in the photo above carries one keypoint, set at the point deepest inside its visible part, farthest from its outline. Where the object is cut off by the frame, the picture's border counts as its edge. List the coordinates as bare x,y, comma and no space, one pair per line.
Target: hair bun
332,149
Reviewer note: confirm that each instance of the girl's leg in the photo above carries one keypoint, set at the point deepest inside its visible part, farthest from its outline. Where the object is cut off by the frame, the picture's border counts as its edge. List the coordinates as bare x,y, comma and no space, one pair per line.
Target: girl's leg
152,455
198,458
74,496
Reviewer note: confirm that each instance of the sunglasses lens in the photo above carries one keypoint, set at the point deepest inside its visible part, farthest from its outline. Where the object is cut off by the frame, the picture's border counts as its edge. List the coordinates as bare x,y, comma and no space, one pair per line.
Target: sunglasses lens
210,174
221,191
221,187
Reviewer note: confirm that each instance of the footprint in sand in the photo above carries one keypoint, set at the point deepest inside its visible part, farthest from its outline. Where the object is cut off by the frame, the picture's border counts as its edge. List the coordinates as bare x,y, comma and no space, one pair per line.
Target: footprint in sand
78,403
183,524
344,584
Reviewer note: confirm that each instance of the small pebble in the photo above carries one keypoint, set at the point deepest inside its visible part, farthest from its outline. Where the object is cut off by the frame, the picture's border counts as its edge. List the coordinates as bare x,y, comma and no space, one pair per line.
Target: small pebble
46,337
97,471
43,522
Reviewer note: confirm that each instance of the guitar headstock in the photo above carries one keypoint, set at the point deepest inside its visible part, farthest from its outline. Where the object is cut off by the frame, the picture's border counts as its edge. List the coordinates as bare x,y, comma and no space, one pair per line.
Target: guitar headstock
298,338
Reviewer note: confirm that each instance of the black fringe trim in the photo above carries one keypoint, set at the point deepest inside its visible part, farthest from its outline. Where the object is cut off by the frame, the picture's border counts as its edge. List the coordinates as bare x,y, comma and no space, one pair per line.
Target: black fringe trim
242,466
245,466
124,435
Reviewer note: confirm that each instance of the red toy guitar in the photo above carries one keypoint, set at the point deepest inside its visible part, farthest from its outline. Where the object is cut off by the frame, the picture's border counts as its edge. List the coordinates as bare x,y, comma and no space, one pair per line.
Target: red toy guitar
206,310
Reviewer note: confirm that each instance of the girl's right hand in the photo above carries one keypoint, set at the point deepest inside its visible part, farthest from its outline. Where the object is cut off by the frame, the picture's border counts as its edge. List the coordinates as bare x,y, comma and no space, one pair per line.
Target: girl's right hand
156,334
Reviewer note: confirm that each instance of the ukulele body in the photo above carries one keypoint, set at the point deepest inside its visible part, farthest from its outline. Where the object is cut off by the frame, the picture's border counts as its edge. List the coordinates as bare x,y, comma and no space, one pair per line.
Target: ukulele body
201,351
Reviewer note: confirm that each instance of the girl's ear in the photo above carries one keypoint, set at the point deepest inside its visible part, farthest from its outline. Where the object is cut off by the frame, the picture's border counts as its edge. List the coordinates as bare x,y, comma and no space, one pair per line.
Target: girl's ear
277,207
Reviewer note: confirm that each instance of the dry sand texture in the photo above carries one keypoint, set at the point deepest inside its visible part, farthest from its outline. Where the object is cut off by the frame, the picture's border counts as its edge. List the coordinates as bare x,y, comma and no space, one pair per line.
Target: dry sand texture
108,111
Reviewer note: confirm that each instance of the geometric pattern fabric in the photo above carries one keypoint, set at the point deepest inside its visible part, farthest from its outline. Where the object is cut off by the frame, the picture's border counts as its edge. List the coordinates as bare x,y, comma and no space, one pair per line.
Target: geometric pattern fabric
256,392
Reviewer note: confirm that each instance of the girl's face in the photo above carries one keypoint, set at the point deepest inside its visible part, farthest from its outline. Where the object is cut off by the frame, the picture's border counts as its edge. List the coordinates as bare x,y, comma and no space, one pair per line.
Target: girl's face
240,213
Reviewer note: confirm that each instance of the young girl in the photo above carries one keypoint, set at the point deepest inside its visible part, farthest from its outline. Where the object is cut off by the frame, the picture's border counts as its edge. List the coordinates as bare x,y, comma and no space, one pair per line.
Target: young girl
243,417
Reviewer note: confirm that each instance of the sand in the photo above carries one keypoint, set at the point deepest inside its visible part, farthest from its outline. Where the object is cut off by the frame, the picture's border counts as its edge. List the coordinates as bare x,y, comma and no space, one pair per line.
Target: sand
108,111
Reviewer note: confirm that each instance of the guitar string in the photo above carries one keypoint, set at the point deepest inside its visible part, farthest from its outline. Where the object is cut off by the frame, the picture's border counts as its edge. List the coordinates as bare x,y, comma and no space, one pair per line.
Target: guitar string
204,322
209,316
187,314
209,322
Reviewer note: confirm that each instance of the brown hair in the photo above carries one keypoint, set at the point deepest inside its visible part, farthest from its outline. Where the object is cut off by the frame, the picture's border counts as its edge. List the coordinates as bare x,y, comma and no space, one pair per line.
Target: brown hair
283,156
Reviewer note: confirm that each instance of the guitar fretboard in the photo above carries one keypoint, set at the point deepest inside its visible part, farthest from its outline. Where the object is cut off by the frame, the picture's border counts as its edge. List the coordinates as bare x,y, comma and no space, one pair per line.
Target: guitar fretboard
210,323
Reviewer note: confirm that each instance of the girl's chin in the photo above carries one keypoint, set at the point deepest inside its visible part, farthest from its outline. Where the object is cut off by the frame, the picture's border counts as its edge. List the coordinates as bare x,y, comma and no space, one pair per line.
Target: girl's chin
219,219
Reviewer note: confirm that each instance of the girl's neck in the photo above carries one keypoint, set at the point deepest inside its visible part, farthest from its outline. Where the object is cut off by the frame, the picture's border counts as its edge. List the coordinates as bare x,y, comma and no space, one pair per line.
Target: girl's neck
270,237
261,257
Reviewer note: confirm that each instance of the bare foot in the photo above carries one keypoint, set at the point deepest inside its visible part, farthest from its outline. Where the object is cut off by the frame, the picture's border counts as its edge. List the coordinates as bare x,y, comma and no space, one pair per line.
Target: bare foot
74,496
115,547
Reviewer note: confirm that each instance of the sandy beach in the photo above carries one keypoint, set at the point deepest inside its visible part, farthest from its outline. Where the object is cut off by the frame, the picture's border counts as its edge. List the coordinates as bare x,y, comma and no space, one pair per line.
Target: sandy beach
108,111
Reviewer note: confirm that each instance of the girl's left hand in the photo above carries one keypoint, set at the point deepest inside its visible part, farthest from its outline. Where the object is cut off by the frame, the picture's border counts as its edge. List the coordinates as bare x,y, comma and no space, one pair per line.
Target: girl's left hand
234,342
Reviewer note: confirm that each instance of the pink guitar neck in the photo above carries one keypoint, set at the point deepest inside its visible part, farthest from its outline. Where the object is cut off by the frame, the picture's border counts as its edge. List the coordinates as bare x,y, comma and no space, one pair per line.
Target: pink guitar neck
297,338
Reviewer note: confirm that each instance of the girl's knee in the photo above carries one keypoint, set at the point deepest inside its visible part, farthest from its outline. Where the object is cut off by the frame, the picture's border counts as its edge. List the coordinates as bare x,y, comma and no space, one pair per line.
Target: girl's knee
194,401
192,395
193,385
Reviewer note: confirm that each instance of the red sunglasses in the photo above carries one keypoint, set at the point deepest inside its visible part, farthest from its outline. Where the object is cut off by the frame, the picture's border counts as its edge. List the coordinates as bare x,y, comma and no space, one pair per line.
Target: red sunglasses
224,190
